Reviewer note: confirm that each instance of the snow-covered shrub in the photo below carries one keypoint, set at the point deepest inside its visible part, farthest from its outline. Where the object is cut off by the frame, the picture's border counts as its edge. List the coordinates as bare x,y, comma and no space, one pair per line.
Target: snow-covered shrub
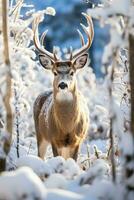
44,169
119,15
99,170
21,184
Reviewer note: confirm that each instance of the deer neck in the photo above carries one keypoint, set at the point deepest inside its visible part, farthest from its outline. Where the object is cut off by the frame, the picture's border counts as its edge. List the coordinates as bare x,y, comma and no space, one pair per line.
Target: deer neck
66,112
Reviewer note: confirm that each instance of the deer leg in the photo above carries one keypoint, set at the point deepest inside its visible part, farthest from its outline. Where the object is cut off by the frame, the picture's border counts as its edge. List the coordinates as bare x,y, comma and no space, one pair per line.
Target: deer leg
75,153
42,147
55,151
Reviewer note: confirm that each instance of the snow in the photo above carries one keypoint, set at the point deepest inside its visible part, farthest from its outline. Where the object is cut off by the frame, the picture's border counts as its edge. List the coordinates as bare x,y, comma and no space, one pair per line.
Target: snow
72,168
20,184
68,168
61,194
109,14
41,168
99,170
56,181
127,144
130,181
111,8
103,190
50,11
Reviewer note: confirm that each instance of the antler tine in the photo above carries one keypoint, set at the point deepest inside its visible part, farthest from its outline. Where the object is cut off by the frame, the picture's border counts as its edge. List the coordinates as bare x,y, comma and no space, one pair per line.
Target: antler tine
89,30
43,37
36,39
71,54
81,37
90,23
54,53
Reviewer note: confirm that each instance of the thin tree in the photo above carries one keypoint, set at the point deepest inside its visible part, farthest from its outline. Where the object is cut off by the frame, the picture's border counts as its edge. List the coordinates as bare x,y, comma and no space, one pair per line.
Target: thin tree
8,92
129,159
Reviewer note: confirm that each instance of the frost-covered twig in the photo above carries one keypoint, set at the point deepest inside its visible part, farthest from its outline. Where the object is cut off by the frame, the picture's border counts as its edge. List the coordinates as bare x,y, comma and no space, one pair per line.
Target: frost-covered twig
109,151
96,152
131,74
16,9
112,115
88,155
30,145
17,121
112,150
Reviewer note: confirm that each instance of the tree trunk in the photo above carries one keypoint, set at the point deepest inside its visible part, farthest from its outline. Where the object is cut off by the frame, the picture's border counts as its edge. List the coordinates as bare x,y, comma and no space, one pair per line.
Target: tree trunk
131,68
8,92
129,158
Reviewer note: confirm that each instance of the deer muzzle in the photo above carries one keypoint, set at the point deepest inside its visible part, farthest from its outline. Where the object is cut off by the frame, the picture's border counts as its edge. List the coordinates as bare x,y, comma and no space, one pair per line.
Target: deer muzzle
63,85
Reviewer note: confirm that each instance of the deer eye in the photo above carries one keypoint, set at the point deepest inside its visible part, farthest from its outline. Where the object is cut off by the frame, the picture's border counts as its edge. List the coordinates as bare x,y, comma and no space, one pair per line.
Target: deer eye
72,73
55,73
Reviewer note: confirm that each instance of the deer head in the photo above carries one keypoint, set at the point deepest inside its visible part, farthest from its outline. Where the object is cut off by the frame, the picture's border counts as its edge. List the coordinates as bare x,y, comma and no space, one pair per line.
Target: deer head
64,70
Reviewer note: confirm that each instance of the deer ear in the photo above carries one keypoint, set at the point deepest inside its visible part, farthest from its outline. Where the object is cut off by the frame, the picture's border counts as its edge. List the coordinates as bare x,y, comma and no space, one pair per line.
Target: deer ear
81,61
46,62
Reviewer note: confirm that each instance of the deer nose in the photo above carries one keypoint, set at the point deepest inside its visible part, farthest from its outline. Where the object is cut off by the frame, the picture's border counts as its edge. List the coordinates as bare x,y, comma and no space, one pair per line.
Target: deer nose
62,85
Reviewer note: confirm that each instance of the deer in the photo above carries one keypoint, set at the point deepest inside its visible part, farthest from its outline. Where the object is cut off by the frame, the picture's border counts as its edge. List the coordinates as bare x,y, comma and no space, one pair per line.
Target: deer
61,114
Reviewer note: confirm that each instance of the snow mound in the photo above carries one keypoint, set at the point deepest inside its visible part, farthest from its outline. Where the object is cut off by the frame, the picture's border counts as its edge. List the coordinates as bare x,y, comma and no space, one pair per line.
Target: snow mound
99,170
57,194
69,168
42,169
56,181
56,165
21,184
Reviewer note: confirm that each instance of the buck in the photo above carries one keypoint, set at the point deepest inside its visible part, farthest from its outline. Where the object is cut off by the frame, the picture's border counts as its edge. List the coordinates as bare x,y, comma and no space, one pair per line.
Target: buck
61,114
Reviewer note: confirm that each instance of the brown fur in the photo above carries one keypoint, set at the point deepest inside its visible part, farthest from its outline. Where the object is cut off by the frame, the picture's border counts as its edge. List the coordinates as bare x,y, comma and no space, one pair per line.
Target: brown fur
67,122
61,115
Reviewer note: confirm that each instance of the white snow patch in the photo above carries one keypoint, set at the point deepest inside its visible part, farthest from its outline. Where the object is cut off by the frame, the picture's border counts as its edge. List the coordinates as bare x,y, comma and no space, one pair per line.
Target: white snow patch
39,166
127,144
56,181
71,168
56,164
21,183
58,194
99,170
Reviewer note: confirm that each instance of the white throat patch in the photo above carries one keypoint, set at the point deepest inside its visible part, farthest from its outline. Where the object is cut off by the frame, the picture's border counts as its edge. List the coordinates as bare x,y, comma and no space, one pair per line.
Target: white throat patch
64,95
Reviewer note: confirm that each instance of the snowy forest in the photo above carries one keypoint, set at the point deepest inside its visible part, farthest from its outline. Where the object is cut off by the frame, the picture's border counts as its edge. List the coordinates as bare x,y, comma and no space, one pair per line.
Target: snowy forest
103,168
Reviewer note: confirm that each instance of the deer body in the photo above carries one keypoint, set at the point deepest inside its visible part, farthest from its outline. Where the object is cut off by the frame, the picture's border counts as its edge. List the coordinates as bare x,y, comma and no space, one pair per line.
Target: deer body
63,124
61,114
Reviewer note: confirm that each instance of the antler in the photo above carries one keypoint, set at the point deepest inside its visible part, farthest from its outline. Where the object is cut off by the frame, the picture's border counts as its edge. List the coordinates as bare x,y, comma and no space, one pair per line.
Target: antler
39,43
89,32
